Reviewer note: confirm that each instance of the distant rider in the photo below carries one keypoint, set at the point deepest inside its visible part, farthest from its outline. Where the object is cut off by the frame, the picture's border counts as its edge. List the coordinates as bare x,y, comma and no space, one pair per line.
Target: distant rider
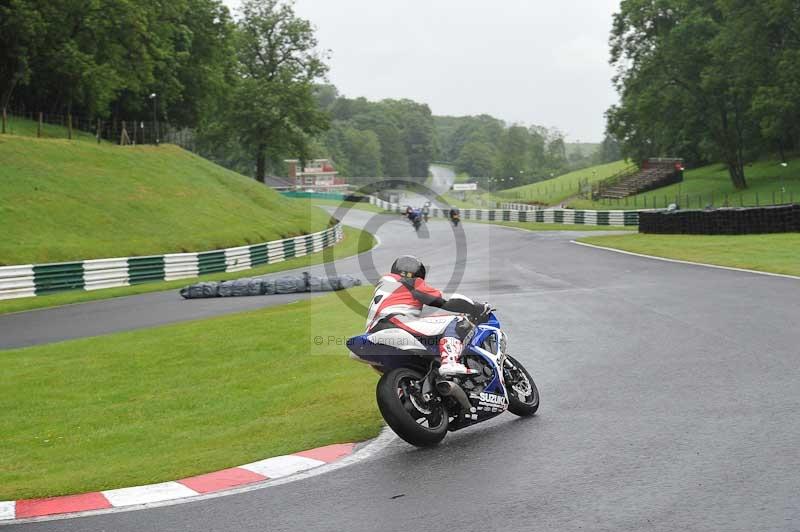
394,315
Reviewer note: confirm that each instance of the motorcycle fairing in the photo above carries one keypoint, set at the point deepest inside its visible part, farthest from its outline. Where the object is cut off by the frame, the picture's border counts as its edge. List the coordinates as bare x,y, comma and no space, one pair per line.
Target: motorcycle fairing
385,357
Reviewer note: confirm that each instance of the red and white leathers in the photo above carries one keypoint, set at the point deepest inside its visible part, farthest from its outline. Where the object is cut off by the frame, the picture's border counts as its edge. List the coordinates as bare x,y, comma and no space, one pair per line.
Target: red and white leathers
394,319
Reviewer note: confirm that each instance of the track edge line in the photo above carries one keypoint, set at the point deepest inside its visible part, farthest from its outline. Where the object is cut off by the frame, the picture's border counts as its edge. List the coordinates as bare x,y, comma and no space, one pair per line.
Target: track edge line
678,261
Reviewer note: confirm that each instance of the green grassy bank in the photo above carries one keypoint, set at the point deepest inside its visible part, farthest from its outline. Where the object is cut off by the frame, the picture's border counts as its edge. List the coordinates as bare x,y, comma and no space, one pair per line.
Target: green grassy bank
776,253
62,201
170,402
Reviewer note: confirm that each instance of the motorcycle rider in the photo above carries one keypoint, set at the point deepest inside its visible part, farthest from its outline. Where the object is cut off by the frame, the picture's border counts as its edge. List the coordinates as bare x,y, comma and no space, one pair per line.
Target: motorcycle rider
454,214
394,315
415,217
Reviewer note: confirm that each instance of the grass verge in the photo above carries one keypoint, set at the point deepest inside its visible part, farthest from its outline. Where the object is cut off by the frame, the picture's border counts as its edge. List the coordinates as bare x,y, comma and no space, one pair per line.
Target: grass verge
360,205
775,253
768,182
170,402
559,188
64,201
355,241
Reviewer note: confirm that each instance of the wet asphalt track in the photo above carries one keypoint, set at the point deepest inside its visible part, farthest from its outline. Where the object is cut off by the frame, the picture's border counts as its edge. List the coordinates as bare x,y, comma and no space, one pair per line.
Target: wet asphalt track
670,401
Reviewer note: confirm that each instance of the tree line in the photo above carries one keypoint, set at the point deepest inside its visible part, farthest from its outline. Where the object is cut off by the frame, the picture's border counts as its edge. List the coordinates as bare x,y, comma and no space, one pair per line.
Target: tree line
246,86
707,80
389,138
251,88
487,148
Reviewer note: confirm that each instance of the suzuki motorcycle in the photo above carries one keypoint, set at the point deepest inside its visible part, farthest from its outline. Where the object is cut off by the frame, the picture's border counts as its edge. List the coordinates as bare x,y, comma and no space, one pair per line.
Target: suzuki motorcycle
421,406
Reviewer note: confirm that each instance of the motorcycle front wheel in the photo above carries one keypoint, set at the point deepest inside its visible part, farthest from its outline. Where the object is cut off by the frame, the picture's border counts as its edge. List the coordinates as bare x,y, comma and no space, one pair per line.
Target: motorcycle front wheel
419,422
523,395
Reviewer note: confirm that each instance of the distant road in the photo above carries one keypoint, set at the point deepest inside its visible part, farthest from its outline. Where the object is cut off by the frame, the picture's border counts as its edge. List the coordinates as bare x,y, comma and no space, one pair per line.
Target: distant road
443,178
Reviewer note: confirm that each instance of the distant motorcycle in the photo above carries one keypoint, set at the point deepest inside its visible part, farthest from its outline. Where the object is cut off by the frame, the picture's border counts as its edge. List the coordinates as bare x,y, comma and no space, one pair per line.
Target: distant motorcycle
421,406
455,217
415,215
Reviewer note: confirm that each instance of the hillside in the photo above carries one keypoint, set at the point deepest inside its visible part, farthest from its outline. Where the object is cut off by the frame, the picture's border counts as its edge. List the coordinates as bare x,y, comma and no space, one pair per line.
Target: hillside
768,182
581,148
559,188
62,200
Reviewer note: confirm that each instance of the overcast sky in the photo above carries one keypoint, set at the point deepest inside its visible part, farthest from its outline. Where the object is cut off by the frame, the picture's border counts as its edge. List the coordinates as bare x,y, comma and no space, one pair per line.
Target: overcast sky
539,62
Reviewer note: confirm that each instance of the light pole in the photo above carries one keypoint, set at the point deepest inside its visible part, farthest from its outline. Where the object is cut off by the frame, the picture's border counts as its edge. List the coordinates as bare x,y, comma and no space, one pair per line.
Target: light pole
783,187
154,97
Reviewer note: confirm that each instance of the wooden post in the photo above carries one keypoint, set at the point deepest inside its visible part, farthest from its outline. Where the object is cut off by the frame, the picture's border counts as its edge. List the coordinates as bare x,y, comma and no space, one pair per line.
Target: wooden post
69,126
39,125
124,139
4,121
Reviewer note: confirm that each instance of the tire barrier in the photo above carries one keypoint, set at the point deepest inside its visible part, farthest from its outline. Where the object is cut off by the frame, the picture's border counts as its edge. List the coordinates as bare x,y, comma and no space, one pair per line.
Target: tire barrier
547,216
727,221
264,286
37,279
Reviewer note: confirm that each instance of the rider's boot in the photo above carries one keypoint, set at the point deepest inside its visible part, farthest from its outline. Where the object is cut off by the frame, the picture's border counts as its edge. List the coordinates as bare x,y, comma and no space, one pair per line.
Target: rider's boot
450,351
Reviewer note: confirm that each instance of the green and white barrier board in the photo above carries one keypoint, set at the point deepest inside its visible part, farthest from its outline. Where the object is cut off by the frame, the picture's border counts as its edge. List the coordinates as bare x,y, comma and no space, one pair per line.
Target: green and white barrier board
37,279
547,216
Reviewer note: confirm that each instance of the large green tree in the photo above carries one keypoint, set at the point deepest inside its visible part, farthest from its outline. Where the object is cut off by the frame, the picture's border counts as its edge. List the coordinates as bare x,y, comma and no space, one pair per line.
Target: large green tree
105,57
706,79
478,159
273,110
20,23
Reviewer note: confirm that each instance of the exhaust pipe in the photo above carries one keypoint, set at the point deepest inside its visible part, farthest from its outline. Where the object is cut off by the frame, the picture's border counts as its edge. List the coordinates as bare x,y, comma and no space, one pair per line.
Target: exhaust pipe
451,389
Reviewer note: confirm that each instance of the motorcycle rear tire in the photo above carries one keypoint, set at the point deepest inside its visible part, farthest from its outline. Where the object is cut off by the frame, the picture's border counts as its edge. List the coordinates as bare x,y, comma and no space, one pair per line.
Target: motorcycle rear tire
393,409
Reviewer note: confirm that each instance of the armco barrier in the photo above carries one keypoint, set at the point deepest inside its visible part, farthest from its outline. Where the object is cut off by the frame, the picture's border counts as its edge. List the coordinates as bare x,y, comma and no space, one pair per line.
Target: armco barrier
736,221
551,216
37,279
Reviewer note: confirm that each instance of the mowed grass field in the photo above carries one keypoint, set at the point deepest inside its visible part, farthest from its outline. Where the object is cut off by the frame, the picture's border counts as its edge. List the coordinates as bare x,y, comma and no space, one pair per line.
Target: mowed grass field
768,183
776,253
70,200
553,191
355,241
170,402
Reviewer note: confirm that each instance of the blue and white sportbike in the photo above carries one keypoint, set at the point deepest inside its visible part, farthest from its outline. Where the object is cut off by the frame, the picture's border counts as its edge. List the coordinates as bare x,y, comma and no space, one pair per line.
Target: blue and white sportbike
421,406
